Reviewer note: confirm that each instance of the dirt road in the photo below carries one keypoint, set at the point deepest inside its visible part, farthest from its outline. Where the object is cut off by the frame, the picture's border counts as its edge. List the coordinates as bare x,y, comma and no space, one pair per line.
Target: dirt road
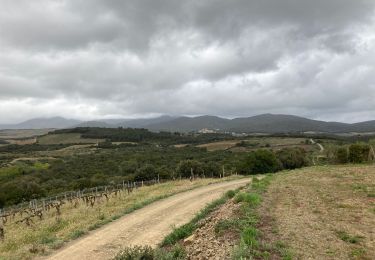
147,226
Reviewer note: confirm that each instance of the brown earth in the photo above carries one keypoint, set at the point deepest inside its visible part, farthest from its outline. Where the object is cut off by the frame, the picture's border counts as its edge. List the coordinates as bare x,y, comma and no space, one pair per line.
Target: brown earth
147,226
205,243
324,212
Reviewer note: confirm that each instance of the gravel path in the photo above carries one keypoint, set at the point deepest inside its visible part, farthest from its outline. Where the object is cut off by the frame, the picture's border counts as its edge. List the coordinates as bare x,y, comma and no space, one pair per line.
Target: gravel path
146,226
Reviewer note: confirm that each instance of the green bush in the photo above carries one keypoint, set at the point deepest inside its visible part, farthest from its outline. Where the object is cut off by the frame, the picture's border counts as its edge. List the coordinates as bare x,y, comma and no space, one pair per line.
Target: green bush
359,153
145,173
211,169
260,161
185,168
292,158
342,155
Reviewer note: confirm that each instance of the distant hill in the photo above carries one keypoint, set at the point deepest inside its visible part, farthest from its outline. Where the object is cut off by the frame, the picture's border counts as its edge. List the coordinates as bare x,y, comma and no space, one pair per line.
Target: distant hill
145,122
41,123
265,123
188,124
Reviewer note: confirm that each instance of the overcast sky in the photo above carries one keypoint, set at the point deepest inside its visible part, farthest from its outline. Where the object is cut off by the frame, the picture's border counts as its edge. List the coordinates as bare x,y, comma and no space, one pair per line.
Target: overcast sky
90,59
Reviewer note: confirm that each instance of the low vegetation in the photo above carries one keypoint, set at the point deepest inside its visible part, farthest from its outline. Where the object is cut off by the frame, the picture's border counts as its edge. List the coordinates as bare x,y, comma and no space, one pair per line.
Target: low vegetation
41,235
331,207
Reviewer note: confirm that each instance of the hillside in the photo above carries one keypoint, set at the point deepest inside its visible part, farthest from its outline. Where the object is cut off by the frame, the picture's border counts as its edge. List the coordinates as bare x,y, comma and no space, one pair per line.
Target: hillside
265,123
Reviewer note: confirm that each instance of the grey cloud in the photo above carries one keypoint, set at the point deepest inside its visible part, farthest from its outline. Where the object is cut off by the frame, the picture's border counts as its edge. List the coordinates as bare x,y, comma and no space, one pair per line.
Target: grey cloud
220,57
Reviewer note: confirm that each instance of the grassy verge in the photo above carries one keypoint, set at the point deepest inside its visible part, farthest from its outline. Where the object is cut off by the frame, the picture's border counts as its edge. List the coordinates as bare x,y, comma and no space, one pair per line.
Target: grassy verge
186,230
169,248
251,244
43,236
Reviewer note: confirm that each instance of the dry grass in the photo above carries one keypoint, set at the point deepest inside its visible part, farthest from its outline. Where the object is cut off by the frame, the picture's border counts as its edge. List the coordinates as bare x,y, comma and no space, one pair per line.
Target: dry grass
256,143
69,138
223,145
325,212
20,133
45,235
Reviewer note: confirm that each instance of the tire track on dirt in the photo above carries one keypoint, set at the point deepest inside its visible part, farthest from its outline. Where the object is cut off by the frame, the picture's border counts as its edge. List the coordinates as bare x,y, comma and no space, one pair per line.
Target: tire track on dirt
146,226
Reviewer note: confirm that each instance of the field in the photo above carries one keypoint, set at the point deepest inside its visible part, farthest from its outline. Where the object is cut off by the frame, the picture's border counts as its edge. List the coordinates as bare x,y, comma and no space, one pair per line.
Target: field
49,233
18,134
68,138
333,208
223,145
258,142
322,212
21,137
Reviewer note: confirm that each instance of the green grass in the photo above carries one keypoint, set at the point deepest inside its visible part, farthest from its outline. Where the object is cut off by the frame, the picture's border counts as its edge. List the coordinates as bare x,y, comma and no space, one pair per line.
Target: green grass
344,236
226,224
250,245
252,199
186,230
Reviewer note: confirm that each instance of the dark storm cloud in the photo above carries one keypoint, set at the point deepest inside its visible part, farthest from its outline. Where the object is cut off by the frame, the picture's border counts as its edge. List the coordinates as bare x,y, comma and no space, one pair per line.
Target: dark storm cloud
124,58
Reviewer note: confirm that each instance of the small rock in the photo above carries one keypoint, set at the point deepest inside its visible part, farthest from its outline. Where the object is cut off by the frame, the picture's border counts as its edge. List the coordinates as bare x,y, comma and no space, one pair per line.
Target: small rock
189,240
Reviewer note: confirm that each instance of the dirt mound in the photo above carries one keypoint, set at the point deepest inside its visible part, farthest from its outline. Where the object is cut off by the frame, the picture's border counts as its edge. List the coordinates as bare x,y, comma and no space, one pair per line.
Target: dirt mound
205,243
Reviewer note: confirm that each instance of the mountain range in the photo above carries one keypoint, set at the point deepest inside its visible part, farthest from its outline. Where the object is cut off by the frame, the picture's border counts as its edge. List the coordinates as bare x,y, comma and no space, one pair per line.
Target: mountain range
265,123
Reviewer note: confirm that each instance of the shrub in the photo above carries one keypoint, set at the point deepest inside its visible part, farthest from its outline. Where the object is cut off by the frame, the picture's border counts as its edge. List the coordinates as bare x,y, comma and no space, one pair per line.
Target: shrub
146,172
136,253
342,155
211,169
358,153
185,168
260,161
292,158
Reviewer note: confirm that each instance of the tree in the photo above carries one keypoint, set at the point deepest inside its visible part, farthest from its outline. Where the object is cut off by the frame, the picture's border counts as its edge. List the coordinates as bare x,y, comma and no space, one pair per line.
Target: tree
292,158
260,161
342,155
359,153
212,169
145,173
187,167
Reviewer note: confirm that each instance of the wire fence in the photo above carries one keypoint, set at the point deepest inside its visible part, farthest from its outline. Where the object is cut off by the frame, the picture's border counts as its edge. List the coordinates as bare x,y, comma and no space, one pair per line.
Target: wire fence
43,203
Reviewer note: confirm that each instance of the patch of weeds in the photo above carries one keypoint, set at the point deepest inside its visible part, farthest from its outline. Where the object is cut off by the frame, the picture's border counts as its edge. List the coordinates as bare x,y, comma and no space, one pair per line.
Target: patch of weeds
251,245
226,224
330,252
135,253
9,246
57,226
76,234
101,216
36,249
47,239
147,253
177,252
230,194
371,195
358,252
249,237
252,199
187,229
283,250
57,244
344,236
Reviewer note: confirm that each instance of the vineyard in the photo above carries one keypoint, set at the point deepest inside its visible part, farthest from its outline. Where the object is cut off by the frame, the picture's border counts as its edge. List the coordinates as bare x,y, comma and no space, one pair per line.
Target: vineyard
39,226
